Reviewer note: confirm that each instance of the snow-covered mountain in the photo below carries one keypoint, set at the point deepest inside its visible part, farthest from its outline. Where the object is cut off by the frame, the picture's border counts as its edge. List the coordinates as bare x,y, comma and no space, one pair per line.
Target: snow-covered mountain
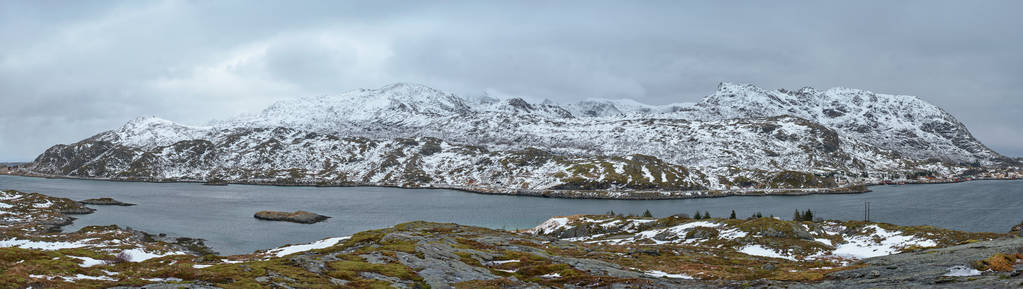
902,123
412,135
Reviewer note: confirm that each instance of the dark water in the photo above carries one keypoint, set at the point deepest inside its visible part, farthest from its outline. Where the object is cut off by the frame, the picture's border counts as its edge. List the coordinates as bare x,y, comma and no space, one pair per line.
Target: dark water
223,214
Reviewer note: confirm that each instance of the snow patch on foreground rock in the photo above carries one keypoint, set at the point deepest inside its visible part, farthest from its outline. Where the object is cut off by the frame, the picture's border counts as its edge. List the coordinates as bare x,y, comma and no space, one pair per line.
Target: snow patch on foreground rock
866,246
837,241
962,271
292,249
757,250
662,274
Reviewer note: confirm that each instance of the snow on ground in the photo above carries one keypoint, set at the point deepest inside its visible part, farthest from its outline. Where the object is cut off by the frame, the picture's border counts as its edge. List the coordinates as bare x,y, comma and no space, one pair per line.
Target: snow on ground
662,274
28,244
288,250
73,278
676,234
757,250
551,275
46,204
139,255
171,279
5,196
88,262
551,225
861,247
87,277
962,271
503,262
824,241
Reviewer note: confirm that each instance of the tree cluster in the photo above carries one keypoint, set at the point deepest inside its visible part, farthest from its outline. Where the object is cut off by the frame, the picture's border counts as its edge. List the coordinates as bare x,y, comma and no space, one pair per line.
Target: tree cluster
804,216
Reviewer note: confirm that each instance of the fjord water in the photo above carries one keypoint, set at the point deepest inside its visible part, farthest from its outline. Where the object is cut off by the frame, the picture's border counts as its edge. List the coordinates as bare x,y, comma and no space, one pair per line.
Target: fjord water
223,214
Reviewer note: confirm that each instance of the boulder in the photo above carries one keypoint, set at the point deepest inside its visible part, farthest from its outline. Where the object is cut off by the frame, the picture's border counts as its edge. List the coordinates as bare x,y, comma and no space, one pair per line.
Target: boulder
296,217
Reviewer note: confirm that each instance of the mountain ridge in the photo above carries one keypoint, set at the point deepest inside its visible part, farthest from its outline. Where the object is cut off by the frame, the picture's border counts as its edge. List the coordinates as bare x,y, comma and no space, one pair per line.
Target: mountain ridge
740,137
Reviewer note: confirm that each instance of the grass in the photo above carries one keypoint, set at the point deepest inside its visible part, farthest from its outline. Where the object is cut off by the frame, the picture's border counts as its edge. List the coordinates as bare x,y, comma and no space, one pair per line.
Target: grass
999,262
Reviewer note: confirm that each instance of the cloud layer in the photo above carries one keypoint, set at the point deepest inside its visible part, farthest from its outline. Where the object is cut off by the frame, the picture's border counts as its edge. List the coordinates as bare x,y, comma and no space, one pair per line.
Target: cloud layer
70,70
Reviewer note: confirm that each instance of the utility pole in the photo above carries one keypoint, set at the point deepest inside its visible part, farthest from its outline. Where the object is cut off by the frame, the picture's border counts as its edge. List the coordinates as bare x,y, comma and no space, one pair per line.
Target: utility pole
866,211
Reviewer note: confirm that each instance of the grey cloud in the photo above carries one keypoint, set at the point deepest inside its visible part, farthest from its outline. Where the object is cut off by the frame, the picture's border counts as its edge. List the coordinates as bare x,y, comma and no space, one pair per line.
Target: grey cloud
71,69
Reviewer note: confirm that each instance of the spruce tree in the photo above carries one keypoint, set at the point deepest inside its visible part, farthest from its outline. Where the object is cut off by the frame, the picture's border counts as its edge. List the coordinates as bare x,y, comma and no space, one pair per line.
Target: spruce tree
732,216
797,216
706,215
697,215
647,214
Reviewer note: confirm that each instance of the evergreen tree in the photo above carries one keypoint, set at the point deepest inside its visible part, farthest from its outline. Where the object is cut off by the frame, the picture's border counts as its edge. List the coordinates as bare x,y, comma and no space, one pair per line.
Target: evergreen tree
797,216
732,216
612,213
706,215
647,214
697,215
808,215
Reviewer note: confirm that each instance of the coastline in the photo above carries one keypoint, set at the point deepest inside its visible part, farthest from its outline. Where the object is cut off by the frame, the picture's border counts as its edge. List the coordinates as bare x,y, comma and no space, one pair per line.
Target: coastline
562,194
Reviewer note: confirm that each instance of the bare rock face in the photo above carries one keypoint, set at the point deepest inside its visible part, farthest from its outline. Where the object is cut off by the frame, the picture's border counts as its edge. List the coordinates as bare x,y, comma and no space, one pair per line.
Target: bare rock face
105,202
296,217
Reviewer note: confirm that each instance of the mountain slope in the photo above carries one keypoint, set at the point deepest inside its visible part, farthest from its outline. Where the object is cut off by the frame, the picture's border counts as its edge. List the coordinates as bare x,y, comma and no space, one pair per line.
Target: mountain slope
741,137
905,124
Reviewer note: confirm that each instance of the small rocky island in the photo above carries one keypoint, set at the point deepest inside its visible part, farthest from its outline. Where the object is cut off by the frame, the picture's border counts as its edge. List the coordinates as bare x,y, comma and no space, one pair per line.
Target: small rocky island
105,202
297,217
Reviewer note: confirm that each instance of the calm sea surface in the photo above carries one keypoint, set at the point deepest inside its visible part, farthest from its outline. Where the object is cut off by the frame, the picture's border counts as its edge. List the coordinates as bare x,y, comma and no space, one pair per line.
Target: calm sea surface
223,214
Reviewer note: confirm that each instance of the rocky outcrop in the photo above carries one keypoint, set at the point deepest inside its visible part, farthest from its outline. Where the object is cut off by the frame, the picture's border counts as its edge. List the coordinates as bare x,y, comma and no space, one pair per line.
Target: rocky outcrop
296,217
1017,230
931,269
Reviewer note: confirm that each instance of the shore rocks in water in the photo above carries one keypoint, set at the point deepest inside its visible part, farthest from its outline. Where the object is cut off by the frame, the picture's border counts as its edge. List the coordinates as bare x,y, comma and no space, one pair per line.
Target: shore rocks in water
297,217
105,202
82,210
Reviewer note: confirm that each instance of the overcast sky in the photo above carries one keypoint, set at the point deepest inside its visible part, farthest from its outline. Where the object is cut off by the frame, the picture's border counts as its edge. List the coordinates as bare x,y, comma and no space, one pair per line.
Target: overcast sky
69,70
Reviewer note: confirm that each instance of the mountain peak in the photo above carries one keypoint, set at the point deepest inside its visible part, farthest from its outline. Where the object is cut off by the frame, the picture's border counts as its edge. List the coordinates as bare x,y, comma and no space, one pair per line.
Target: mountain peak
149,131
147,121
407,87
732,87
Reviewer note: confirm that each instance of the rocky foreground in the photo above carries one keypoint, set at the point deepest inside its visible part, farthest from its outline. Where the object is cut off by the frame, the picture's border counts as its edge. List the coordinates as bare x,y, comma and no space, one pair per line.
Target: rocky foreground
602,251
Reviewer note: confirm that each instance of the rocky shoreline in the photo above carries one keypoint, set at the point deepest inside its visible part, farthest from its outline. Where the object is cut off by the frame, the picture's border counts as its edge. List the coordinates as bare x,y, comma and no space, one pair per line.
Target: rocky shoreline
566,194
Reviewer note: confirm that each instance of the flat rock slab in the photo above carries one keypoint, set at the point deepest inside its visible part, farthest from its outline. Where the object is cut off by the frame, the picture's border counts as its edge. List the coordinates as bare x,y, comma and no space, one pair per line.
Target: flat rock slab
105,202
297,217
